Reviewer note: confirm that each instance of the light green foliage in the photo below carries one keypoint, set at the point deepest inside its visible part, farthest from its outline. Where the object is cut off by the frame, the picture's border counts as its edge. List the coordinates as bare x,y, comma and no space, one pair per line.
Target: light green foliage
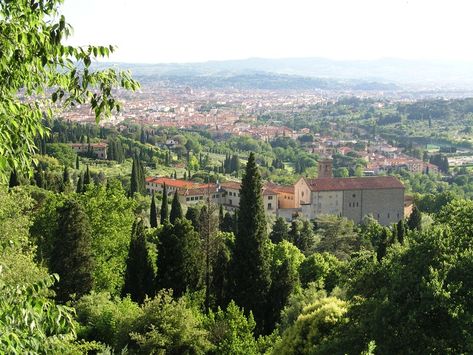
313,328
170,326
231,331
16,251
62,152
322,269
36,63
419,292
286,251
296,302
106,319
111,217
31,323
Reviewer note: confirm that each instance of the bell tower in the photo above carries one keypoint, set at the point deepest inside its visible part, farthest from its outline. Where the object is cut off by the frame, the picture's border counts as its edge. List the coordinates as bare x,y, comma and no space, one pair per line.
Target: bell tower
325,168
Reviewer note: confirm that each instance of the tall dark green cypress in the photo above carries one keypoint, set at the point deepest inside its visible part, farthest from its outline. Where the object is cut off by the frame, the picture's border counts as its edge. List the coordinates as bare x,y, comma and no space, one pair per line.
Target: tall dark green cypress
176,209
87,178
14,181
71,257
66,180
251,274
134,188
193,215
80,183
77,162
280,231
401,231
153,213
415,219
164,206
140,271
180,258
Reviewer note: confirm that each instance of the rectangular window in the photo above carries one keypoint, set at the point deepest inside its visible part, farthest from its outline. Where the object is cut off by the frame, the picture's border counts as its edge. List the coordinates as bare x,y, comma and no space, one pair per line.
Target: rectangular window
230,202
270,197
187,199
270,207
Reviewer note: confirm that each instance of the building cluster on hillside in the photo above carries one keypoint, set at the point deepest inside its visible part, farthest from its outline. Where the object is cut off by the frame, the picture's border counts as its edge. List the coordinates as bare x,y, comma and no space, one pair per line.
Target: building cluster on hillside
97,149
381,197
380,157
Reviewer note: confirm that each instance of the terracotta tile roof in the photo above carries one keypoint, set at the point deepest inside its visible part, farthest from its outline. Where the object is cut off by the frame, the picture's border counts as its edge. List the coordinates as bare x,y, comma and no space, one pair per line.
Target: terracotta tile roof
231,185
182,184
287,189
356,183
199,191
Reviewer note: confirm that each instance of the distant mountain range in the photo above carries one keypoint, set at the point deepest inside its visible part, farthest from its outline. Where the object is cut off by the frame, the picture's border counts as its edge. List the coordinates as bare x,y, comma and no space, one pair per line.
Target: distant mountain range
382,74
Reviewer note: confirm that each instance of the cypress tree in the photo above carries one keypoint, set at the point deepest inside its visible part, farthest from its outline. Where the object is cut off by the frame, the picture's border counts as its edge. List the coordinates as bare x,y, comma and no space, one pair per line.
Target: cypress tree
280,231
80,183
153,213
176,209
415,219
251,275
71,257
66,180
77,162
284,282
193,215
39,178
164,206
139,274
401,231
227,224
179,258
221,216
87,179
134,188
383,245
14,181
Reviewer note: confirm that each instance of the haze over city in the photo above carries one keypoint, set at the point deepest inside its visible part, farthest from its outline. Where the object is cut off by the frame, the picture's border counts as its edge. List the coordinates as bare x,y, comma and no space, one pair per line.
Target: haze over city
147,31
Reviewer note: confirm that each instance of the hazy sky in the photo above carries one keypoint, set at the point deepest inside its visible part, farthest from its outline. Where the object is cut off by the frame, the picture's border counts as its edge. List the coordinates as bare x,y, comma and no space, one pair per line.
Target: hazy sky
155,31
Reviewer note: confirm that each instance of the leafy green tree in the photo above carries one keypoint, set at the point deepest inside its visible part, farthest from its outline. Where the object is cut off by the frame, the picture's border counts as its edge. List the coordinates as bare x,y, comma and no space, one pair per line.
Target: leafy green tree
418,293
72,257
176,209
314,328
140,271
179,258
32,323
322,270
230,331
153,213
337,236
280,231
62,152
106,319
251,273
164,206
170,326
111,217
48,72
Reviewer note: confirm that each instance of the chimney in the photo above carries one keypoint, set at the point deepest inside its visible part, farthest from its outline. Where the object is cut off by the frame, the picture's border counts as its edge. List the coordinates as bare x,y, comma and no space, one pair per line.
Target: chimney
325,168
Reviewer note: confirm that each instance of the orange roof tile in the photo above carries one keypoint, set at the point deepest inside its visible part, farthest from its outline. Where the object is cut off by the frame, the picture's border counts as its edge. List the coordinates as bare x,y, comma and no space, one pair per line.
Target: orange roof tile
356,183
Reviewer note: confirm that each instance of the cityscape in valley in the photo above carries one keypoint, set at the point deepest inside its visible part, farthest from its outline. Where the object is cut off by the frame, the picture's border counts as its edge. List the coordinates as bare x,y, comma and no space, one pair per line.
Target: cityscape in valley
290,205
